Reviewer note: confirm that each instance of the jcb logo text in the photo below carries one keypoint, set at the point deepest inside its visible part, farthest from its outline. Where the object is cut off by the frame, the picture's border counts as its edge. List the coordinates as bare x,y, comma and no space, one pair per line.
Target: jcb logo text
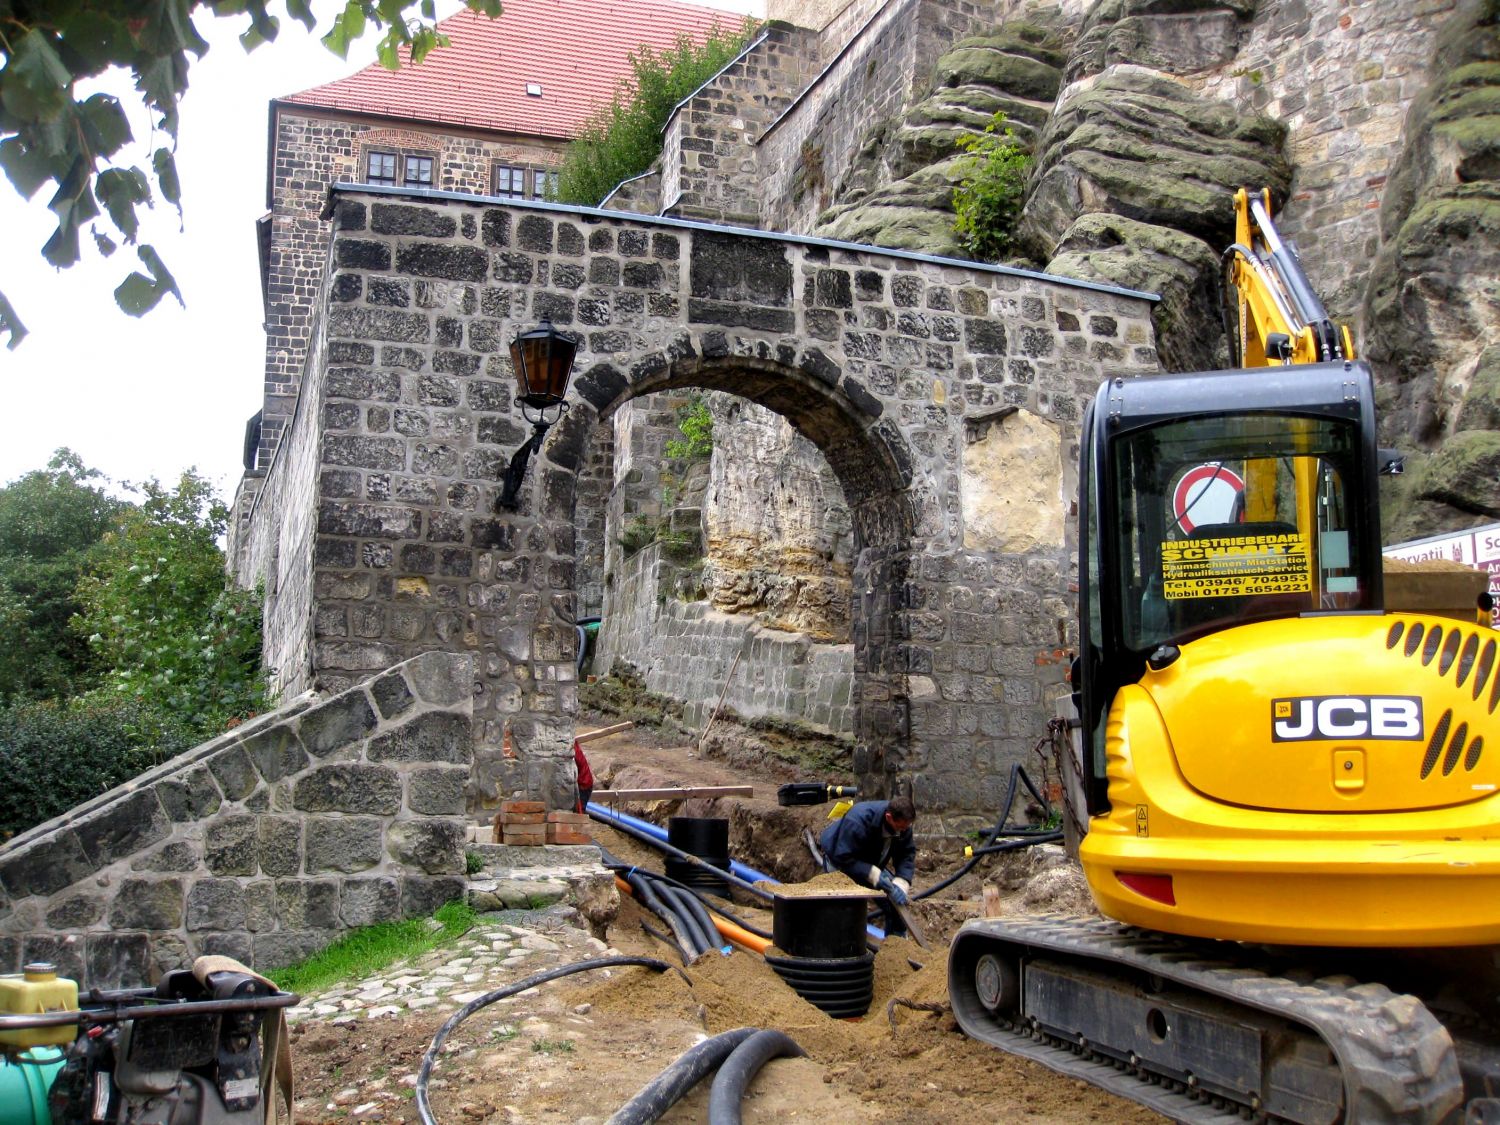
1311,718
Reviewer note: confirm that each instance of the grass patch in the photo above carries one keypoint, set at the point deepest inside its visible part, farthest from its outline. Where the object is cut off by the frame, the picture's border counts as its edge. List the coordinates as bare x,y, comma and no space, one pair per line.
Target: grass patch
548,1046
364,952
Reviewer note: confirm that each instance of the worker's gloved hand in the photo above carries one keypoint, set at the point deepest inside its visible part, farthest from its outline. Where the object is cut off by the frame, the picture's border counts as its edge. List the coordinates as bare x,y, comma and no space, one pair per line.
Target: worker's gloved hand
903,884
893,890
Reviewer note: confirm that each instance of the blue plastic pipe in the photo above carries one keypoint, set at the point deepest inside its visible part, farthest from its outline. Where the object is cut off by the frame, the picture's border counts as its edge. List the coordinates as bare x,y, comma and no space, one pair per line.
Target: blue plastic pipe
656,832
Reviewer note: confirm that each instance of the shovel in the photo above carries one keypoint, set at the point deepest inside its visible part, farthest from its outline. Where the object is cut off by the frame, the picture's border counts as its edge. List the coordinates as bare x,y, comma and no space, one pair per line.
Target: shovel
909,916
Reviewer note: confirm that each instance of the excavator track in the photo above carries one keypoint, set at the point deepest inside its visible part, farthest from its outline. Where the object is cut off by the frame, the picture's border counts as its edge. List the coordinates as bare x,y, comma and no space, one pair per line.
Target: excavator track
1183,1028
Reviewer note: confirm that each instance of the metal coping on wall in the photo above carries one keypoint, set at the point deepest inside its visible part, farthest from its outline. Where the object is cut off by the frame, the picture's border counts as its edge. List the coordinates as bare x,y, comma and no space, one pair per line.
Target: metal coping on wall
436,195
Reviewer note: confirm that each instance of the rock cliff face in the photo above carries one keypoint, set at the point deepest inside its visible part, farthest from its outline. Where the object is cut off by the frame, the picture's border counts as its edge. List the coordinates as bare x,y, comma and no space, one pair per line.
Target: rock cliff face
1433,303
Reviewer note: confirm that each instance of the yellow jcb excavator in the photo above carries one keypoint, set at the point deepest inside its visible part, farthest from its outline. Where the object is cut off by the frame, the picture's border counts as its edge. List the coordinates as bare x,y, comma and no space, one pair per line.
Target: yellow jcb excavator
1286,795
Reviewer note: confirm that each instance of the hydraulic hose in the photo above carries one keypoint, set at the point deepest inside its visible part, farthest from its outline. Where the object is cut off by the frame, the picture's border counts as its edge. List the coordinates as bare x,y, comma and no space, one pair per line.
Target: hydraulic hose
668,1087
1016,773
740,1069
424,1107
1016,845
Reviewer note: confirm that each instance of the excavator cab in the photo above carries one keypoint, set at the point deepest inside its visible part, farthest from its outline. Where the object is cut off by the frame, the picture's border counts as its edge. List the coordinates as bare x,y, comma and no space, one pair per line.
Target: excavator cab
1200,518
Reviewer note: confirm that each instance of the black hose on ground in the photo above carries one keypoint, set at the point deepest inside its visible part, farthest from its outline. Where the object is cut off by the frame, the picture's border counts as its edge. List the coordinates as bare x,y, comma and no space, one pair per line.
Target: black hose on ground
739,1070
668,1087
665,938
424,1107
662,846
1030,836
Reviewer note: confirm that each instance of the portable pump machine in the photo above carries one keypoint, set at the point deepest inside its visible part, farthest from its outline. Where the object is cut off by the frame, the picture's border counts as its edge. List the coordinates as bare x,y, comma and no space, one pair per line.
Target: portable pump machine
206,1046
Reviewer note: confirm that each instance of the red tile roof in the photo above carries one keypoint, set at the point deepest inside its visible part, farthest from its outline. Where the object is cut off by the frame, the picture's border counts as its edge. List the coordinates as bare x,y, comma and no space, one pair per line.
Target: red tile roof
575,50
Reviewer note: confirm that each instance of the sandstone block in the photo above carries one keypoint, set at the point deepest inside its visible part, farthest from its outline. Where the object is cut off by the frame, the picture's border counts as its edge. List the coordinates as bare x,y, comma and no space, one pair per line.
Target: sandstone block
216,904
306,905
340,723
348,788
434,737
343,844
364,902
122,828
434,846
147,904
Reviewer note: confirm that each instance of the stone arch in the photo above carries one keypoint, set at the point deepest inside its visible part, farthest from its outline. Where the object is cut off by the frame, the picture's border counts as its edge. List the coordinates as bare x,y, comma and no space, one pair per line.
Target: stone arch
884,359
871,461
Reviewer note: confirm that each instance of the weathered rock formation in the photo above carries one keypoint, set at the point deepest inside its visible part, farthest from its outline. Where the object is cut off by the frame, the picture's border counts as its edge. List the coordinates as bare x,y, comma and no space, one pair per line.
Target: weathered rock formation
900,191
1433,304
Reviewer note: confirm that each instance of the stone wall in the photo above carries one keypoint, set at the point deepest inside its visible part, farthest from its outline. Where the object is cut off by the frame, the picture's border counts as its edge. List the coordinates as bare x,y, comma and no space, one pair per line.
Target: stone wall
1341,78
313,149
687,650
708,163
877,358
264,844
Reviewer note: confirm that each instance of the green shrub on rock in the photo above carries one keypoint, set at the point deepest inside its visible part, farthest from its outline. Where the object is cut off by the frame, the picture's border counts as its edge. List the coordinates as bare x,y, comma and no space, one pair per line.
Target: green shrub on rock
988,200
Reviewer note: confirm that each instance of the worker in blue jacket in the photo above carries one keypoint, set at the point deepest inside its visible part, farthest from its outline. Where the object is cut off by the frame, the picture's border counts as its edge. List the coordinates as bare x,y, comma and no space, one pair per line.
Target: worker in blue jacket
872,844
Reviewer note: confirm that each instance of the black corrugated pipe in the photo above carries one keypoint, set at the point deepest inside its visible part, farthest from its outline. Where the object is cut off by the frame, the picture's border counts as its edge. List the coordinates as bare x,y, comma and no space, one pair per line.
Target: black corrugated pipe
703,940
740,1069
424,1072
668,1087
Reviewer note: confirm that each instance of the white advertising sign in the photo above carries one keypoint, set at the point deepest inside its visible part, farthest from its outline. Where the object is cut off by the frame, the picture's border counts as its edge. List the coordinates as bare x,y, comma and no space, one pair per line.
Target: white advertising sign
1478,547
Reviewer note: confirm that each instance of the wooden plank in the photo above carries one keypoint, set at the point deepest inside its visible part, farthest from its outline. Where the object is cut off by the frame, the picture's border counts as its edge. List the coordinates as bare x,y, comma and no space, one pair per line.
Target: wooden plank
673,794
603,732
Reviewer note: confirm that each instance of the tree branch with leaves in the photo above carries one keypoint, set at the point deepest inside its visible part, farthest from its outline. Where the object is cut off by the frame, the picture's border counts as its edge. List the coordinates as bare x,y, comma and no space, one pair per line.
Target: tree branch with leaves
50,138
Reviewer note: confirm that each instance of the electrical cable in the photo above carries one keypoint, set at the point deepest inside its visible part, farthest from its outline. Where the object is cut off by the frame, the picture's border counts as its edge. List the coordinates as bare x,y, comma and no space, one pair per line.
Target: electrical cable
739,1070
424,1107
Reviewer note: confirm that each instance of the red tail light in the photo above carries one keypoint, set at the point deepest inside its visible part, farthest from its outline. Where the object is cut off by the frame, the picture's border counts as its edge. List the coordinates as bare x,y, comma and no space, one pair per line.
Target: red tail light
1158,888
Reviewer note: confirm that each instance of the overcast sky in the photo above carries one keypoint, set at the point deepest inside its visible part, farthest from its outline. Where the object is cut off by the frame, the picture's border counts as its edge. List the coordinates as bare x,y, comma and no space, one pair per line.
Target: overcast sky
151,397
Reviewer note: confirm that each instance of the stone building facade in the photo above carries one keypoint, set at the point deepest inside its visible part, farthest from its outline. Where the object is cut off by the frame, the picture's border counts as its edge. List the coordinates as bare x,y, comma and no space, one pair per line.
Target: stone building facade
902,370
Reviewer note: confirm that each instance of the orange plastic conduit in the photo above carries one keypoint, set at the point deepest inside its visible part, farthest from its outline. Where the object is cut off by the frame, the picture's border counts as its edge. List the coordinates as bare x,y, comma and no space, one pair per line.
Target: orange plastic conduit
727,929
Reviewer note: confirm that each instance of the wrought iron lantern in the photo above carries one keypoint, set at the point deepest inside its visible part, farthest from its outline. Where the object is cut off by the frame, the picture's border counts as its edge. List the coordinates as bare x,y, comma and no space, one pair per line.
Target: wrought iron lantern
543,361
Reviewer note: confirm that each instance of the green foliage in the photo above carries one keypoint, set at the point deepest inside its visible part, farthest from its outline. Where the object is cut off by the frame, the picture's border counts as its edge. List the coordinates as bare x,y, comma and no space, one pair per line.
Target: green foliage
57,755
51,521
473,862
50,136
160,619
362,952
988,200
639,532
696,425
623,140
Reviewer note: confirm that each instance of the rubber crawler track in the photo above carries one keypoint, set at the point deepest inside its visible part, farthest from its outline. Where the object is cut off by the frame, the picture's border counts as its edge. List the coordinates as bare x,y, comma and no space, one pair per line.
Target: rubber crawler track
1397,1060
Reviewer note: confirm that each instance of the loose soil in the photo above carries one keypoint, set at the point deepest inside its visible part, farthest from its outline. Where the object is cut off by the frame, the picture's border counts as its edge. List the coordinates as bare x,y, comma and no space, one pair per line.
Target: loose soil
577,1049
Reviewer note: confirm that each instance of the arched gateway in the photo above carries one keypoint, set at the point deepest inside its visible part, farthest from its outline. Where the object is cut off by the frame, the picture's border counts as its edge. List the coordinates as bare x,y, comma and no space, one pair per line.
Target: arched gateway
944,395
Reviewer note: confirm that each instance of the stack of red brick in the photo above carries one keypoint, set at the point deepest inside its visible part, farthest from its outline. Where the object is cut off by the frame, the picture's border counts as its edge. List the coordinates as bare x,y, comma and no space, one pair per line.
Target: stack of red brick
529,824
